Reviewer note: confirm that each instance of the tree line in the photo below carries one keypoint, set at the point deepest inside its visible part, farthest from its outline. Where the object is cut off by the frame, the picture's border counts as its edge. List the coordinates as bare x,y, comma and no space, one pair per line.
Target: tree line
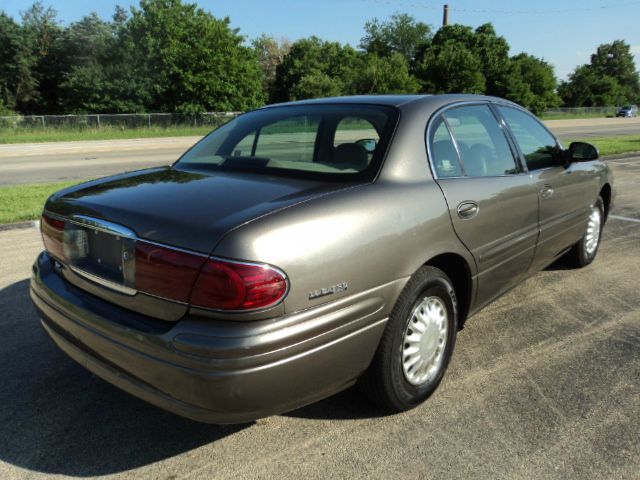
170,56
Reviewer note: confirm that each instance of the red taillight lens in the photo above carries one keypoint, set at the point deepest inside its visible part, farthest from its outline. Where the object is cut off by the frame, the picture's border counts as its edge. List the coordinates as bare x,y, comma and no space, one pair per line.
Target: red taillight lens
208,283
189,277
54,223
226,285
52,230
166,272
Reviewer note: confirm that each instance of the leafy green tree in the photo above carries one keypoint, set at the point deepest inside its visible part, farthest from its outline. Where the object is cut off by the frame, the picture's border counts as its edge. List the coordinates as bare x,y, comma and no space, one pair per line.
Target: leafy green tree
309,65
41,32
460,59
487,52
493,52
85,47
4,111
531,82
401,34
378,75
609,79
616,60
194,61
585,88
453,68
175,57
271,53
317,85
105,72
127,85
451,64
17,84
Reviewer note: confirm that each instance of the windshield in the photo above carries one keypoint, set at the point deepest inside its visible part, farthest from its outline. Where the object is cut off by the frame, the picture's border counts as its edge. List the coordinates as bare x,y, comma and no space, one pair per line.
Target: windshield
343,142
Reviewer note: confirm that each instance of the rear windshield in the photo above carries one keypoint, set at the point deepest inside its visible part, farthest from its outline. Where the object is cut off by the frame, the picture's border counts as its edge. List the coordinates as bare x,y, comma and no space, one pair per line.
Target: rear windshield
333,142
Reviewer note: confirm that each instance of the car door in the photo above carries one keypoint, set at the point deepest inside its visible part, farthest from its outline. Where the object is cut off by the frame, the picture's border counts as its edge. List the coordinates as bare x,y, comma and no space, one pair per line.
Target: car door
562,189
492,202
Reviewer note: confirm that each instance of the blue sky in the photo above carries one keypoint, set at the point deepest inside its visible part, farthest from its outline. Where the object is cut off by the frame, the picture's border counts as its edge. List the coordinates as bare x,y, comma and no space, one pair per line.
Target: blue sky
563,32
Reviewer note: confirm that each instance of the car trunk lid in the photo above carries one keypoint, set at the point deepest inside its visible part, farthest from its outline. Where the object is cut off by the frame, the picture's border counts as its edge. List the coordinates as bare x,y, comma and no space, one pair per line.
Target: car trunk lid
190,211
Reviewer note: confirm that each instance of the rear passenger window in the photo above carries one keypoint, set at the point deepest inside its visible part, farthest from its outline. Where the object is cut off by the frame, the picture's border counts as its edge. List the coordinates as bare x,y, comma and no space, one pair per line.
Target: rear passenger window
291,140
538,146
483,147
443,153
353,130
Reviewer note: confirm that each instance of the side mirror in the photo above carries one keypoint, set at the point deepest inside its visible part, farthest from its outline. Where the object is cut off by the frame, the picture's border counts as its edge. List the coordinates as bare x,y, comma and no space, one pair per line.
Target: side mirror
369,144
583,152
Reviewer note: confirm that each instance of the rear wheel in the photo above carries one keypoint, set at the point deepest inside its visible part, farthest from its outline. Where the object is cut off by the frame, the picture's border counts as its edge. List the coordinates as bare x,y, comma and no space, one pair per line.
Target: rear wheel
584,252
417,343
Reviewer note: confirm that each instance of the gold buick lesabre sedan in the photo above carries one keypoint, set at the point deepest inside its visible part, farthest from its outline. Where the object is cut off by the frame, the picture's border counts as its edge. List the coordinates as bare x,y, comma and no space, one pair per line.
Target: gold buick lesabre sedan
305,247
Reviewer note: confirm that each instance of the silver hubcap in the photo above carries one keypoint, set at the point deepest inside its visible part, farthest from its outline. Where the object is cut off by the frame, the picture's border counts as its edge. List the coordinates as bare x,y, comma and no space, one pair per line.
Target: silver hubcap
425,340
592,237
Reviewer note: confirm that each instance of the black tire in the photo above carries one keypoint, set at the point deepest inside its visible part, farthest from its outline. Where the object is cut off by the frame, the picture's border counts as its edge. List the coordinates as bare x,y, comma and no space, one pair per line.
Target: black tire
579,256
385,382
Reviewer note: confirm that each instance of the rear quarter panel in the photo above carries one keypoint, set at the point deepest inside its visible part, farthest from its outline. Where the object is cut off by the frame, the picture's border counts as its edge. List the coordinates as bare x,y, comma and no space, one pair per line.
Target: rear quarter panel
365,236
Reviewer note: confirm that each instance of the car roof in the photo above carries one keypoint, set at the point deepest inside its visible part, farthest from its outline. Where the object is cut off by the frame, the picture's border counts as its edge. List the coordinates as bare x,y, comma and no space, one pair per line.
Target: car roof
397,101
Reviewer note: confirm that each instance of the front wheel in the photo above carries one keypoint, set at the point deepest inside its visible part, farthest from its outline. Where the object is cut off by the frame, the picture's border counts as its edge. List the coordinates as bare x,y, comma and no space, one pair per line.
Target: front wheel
417,343
584,252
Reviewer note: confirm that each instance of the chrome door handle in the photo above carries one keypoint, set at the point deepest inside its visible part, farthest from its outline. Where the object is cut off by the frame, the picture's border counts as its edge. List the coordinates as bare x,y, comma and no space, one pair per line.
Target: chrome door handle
546,191
468,209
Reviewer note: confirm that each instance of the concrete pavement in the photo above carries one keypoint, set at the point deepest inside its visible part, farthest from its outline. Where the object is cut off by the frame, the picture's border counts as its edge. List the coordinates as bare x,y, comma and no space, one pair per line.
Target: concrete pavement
544,383
61,161
594,127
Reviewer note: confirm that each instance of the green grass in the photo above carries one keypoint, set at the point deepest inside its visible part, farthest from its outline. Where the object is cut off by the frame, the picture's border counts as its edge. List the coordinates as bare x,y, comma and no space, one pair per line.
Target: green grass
24,202
613,145
572,116
61,134
105,133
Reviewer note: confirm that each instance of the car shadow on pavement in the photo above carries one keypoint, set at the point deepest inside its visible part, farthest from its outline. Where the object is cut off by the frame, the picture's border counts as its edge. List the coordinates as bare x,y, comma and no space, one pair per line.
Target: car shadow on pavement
58,418
347,405
559,265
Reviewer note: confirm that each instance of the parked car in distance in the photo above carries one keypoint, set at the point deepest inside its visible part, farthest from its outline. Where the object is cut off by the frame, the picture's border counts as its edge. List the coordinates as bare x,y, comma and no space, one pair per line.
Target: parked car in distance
628,111
304,247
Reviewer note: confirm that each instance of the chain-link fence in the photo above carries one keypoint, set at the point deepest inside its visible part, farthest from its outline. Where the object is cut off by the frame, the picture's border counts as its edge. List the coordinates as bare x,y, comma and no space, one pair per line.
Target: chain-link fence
118,121
207,119
580,112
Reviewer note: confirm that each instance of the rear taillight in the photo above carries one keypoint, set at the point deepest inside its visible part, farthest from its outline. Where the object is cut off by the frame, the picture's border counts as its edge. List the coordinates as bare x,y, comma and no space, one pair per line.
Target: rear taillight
188,277
228,285
52,230
166,272
208,283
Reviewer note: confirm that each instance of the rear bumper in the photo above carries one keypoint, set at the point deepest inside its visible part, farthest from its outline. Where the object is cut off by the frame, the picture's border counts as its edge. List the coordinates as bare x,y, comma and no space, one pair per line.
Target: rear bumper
215,371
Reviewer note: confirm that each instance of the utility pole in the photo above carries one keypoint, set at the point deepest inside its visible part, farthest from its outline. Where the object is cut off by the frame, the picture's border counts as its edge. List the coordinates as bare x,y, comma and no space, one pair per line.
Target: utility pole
445,16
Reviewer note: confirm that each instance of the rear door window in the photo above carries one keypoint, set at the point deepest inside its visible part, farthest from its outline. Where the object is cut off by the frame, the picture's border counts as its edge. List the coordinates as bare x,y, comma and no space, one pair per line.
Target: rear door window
483,146
443,152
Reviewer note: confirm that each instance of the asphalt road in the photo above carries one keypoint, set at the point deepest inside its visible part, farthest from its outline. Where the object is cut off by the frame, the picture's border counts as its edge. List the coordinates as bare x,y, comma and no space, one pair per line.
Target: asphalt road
60,161
544,383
